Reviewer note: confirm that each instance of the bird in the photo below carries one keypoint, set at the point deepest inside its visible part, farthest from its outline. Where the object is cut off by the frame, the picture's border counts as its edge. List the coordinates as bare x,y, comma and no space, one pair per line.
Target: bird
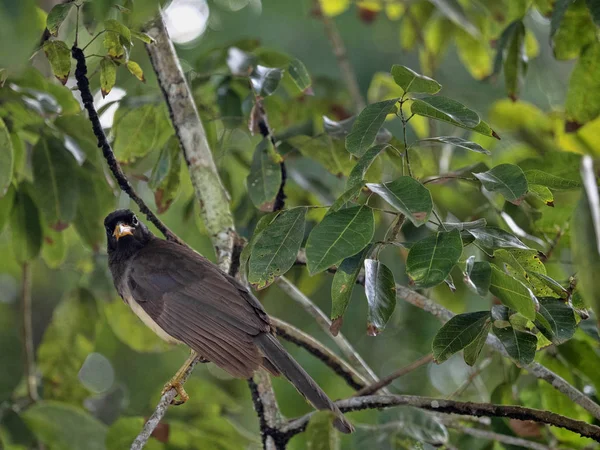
185,298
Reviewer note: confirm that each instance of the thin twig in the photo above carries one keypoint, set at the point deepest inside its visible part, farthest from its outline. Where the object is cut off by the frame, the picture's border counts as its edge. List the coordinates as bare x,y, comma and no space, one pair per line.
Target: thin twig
474,374
454,407
28,350
385,381
353,378
503,438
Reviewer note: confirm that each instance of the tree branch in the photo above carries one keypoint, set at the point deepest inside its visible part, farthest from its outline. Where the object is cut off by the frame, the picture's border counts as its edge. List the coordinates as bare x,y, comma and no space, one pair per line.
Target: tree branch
454,407
27,335
88,102
503,438
292,334
210,193
265,405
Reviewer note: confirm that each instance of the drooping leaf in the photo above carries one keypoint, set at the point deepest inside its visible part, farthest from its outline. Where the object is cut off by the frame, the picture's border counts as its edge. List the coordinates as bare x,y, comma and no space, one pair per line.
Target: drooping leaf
456,334
520,345
473,350
430,260
275,250
55,180
380,289
264,178
478,275
320,433
340,234
265,80
408,196
108,76
515,63
362,166
56,17
165,177
135,70
513,293
454,141
411,81
583,96
59,56
492,238
446,110
325,150
556,320
343,284
145,38
299,74
6,159
367,125
507,179
539,177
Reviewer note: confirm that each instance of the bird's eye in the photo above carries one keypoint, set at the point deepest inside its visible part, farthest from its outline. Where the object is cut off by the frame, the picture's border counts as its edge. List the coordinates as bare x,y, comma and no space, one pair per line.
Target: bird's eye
134,221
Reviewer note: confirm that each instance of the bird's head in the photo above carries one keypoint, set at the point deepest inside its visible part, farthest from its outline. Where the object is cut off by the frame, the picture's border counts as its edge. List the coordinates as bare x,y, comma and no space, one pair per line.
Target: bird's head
125,234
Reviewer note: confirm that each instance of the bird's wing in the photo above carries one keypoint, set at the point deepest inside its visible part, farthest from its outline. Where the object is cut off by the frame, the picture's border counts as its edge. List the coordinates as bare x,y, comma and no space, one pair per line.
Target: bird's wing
196,303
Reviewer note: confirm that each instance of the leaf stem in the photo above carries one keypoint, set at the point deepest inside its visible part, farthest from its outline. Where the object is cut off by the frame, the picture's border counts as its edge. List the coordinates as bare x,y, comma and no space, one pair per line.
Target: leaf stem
404,122
91,40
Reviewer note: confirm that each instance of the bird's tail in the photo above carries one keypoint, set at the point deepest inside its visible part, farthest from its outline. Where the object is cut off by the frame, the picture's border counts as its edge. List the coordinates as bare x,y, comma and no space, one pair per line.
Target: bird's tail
277,357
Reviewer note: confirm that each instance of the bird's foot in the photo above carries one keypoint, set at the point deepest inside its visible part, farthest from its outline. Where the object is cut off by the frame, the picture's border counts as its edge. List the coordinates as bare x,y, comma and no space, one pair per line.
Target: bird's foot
175,383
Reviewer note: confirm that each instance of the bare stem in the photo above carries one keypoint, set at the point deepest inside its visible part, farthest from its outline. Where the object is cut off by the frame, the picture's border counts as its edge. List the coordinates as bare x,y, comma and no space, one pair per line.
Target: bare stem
28,350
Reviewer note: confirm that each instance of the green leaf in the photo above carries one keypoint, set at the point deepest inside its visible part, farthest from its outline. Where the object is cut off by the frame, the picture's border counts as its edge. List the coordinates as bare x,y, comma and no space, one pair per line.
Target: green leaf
515,64
6,159
120,29
135,70
556,320
506,179
535,176
456,334
478,275
165,177
520,345
6,205
55,180
411,81
475,54
513,293
380,289
348,196
327,151
522,265
145,38
453,141
265,80
275,251
340,234
575,32
492,238
430,260
25,226
56,17
362,166
542,193
113,45
299,74
341,129
138,131
473,350
594,8
48,420
446,110
320,433
263,223
343,284
367,125
108,76
54,249
59,56
558,13
408,196
264,178
583,96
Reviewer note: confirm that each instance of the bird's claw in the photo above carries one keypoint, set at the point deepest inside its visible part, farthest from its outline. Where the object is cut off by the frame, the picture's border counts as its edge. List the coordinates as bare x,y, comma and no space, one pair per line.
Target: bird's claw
178,386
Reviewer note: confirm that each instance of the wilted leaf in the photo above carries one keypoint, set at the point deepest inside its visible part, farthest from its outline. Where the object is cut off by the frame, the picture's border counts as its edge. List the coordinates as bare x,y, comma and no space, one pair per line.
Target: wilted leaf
56,17
556,320
108,76
411,81
135,69
507,179
367,125
513,293
456,334
264,178
380,289
453,141
299,74
265,80
275,251
340,234
59,56
430,260
408,196
520,345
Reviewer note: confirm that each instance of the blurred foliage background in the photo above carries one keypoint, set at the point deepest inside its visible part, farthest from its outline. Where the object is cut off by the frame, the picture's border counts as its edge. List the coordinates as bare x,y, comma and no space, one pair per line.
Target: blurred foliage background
99,371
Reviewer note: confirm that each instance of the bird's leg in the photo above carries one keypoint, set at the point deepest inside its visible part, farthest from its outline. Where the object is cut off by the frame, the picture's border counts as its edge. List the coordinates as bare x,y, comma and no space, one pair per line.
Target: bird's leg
177,383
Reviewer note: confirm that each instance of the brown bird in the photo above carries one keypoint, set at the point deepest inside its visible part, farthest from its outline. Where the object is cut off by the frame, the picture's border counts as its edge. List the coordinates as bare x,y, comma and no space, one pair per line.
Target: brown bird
185,298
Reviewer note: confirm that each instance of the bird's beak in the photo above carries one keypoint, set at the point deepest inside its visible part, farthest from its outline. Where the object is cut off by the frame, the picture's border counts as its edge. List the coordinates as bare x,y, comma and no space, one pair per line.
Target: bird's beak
123,230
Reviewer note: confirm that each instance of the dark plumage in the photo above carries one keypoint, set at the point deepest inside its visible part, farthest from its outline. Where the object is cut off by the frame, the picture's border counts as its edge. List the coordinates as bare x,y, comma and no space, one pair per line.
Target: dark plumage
187,299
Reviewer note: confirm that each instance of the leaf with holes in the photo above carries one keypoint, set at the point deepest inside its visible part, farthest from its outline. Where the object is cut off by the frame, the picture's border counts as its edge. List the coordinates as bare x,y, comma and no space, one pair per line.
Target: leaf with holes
57,16
108,76
264,178
513,293
493,238
340,234
411,81
380,289
408,196
453,141
362,166
59,56
265,80
430,260
478,275
367,125
456,334
506,179
520,345
299,74
275,251
556,320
